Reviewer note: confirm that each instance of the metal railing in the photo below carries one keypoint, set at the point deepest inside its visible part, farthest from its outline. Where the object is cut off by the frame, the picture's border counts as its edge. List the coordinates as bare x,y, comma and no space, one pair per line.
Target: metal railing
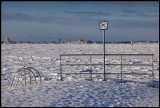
120,64
28,70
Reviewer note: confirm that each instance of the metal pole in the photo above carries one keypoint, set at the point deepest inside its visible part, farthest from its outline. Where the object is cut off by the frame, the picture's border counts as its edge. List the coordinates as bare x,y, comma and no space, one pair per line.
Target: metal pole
121,69
104,79
152,72
24,78
29,76
17,81
33,74
91,66
61,69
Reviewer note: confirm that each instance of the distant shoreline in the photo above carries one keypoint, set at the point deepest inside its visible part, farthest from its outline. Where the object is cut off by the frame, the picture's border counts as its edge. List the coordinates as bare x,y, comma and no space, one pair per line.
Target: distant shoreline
96,42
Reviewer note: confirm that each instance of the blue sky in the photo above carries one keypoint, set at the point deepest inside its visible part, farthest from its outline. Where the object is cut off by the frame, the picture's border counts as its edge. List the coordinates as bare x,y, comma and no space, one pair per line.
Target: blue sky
73,20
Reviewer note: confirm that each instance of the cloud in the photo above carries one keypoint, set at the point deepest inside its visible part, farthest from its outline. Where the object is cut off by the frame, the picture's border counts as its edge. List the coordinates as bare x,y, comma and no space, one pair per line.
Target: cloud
83,21
134,23
14,16
128,12
137,3
39,36
99,13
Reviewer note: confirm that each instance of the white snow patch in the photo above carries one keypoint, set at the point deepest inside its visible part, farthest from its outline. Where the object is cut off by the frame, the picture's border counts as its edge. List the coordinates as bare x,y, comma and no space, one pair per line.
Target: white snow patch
77,90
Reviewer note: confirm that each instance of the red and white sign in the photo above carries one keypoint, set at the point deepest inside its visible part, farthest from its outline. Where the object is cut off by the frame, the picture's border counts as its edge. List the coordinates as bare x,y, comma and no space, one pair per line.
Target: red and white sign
103,25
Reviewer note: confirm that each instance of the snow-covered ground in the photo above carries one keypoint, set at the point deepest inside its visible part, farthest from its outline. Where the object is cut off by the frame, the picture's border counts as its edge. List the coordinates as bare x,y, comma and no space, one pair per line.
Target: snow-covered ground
77,90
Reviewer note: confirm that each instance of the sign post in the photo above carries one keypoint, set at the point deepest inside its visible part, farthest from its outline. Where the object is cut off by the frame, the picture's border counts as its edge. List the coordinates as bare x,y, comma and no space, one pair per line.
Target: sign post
104,26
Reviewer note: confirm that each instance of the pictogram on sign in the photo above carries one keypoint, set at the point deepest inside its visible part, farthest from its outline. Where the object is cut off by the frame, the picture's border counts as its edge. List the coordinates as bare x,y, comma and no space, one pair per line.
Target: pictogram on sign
103,25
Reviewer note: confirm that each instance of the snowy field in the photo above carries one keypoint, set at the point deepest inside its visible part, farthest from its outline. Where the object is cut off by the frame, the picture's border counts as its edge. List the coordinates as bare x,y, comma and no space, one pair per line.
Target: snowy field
77,90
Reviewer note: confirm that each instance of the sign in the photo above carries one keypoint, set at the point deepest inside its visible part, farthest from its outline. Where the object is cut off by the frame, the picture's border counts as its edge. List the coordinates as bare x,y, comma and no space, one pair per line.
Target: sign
103,25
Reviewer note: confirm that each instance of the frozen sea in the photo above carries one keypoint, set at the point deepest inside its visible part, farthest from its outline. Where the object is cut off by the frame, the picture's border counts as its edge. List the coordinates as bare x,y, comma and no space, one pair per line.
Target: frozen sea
77,90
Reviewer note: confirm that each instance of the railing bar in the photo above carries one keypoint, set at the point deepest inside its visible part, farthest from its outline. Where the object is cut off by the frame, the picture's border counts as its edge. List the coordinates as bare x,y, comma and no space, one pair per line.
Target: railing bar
107,54
82,73
130,54
112,73
112,64
81,64
79,54
138,73
136,64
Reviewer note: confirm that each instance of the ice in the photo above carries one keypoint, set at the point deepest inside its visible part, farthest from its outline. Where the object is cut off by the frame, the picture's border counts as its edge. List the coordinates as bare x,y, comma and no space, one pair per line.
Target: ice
77,90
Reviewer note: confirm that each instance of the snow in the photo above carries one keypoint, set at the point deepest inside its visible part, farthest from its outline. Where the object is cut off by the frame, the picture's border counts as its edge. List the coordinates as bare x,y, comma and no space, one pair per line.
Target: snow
77,90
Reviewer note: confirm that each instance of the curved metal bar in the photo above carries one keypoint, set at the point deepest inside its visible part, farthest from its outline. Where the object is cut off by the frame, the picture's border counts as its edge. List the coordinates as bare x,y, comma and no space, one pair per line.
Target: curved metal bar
12,81
24,77
37,72
14,76
30,77
18,79
34,75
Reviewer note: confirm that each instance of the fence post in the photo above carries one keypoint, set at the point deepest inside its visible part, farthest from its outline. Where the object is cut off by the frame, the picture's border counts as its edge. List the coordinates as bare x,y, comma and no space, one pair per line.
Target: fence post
91,65
61,69
152,73
121,69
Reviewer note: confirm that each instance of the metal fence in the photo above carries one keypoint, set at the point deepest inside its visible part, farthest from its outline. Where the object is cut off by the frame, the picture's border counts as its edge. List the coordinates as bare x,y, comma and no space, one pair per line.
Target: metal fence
120,64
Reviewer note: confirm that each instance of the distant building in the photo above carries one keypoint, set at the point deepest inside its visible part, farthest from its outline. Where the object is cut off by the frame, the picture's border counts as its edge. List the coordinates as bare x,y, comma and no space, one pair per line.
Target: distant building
131,43
82,42
6,41
78,42
88,42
